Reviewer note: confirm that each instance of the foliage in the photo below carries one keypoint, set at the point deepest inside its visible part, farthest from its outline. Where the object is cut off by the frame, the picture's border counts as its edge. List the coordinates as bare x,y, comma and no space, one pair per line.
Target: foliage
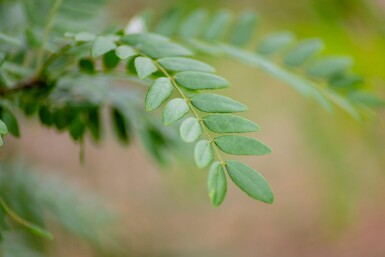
68,79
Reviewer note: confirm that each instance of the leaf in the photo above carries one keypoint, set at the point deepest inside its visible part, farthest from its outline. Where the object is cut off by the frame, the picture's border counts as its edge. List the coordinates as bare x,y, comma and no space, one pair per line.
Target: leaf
225,123
169,22
203,153
10,120
192,25
217,27
120,126
84,37
275,42
3,128
158,92
329,66
86,65
190,130
145,67
243,29
250,181
217,184
141,38
102,45
184,64
110,60
196,80
303,51
163,49
124,52
1,141
366,98
216,103
45,116
240,145
77,128
174,110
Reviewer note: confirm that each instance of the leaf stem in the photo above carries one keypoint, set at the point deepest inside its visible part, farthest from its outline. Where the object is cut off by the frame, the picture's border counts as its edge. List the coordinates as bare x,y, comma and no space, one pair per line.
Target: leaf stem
47,28
14,216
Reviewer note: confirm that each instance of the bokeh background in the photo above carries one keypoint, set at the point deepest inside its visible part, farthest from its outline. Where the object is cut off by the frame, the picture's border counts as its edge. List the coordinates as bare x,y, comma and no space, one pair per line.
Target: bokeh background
327,170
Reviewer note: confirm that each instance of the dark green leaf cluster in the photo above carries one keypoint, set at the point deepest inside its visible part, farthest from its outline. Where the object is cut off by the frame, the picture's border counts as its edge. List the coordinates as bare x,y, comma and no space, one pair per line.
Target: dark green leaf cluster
327,79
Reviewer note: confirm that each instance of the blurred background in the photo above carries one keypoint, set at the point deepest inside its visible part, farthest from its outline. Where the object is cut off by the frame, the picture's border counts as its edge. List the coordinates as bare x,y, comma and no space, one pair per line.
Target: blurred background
327,170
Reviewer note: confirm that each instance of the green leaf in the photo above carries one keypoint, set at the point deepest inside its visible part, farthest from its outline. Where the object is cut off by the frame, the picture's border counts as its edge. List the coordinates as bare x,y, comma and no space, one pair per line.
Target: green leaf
217,27
145,67
45,116
10,120
303,51
84,37
225,123
77,128
169,22
86,65
124,52
329,66
250,181
3,128
163,49
190,130
217,103
141,38
174,110
243,29
196,80
110,60
203,153
275,42
184,64
240,145
102,45
158,92
193,23
366,98
120,126
217,184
